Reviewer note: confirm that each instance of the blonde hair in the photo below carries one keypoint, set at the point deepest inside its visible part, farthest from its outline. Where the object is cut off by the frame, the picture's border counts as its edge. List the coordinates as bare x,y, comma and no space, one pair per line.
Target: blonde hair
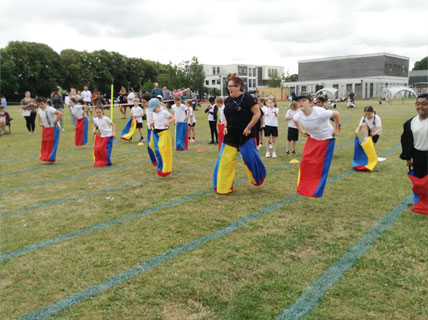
219,100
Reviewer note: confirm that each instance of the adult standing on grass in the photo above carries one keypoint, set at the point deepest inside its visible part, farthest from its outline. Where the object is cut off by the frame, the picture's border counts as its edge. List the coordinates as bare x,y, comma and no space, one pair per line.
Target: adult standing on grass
29,111
319,147
414,144
242,113
123,101
58,105
156,91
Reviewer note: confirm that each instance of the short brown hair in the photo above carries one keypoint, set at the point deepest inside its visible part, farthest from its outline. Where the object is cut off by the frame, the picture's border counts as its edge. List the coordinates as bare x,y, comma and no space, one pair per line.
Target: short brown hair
219,100
236,80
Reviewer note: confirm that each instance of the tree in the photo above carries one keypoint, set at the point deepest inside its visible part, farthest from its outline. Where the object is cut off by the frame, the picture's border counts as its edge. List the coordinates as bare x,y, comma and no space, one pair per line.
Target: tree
274,79
39,68
194,75
9,75
421,64
290,77
77,73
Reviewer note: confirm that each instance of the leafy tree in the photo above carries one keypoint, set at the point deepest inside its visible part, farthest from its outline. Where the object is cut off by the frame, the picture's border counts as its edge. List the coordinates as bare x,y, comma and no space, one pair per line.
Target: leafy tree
290,77
76,68
9,75
274,80
194,75
421,64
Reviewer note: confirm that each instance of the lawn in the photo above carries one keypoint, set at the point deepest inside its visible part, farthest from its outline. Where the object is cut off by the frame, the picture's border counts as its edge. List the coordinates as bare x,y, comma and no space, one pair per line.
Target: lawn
120,242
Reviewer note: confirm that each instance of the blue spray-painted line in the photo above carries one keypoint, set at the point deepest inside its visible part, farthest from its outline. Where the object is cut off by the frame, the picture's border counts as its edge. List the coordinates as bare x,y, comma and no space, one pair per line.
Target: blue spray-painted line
318,288
86,195
84,175
133,272
114,222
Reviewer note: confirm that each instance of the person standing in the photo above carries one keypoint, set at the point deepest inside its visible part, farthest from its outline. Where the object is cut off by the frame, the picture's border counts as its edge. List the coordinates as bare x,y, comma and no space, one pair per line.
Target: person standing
57,103
166,94
48,120
242,113
212,119
87,98
156,91
293,133
73,94
29,111
123,101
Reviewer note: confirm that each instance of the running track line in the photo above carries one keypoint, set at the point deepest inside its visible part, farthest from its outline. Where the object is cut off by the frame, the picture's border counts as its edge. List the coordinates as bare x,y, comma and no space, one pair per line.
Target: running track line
308,300
55,202
131,273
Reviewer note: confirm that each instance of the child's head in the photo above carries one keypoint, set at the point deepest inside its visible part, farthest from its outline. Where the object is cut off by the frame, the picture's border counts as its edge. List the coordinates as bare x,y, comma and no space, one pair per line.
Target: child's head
99,111
42,102
155,105
73,101
261,102
189,103
211,100
294,105
320,101
219,101
136,102
145,99
177,100
2,110
270,103
369,111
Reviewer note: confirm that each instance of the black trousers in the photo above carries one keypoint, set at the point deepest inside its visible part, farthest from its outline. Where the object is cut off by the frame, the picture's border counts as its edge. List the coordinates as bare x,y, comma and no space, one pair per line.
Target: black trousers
213,128
31,122
420,163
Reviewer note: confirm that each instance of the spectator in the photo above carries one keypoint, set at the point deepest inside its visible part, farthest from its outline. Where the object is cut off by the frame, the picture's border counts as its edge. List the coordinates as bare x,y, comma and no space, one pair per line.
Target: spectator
4,102
123,101
95,98
4,119
166,94
156,91
57,103
29,111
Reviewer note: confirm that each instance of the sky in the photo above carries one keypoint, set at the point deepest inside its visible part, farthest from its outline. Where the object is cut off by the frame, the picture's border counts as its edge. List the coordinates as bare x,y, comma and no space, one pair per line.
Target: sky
269,32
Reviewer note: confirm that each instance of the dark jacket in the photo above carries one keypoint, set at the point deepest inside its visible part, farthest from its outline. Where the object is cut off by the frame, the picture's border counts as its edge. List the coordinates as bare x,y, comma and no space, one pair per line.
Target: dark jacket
407,143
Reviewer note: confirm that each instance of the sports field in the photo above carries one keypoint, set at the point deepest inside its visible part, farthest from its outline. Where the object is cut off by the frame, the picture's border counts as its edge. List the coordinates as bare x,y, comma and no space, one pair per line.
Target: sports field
120,242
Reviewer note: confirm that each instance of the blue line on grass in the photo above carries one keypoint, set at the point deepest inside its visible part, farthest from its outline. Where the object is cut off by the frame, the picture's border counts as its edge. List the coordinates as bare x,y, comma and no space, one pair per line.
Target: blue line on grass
131,273
307,301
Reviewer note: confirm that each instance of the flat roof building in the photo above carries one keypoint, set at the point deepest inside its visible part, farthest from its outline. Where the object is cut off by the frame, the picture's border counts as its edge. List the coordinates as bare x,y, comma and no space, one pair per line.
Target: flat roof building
366,75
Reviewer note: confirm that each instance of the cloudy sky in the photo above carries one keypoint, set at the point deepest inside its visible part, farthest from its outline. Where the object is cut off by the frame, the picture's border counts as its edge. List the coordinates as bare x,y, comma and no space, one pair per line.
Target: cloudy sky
265,32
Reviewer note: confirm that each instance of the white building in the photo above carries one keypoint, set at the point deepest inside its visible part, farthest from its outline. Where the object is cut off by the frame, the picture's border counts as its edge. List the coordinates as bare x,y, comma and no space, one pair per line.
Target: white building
366,75
253,75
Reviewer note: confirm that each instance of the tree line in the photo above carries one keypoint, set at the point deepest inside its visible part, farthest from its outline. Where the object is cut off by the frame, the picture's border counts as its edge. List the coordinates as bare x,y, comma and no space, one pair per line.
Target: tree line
38,68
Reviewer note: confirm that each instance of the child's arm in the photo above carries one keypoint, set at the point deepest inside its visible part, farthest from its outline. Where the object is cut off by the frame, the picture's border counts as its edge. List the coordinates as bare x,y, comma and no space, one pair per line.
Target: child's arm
58,117
357,130
299,127
113,128
94,128
170,119
336,122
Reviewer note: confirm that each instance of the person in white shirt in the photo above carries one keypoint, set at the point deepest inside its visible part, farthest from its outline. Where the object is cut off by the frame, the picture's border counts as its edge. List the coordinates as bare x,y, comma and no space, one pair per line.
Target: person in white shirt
180,110
81,127
262,106
103,143
137,113
48,118
212,119
293,133
161,142
105,126
219,102
271,127
370,124
181,127
86,96
191,121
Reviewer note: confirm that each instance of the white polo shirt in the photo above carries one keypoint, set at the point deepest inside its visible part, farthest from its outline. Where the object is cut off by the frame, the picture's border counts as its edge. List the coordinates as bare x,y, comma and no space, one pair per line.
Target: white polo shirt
317,124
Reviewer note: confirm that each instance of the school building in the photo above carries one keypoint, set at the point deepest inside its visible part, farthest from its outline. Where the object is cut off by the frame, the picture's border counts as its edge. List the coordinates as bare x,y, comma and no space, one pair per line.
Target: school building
254,76
366,75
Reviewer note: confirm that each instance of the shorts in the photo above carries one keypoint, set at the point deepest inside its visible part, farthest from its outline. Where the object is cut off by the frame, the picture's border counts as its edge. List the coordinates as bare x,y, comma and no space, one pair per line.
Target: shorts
192,125
139,125
271,131
293,134
375,138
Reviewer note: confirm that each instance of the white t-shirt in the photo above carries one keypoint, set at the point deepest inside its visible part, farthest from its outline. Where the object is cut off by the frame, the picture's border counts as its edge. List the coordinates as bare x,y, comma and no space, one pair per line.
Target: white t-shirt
160,118
149,117
291,113
131,98
420,133
104,125
47,116
264,109
211,109
271,119
86,95
373,127
77,111
317,124
138,113
222,117
67,100
191,119
179,112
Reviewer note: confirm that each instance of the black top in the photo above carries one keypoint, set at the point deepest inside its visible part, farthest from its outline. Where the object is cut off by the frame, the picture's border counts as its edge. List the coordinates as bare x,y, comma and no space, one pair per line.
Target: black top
407,141
238,115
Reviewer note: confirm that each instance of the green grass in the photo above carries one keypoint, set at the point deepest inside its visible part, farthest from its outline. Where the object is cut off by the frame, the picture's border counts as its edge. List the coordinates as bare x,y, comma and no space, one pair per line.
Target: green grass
254,272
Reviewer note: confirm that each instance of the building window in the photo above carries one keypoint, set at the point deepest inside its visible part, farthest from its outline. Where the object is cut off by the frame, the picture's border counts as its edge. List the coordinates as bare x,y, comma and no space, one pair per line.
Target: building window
213,70
303,89
218,70
207,82
218,81
212,82
242,70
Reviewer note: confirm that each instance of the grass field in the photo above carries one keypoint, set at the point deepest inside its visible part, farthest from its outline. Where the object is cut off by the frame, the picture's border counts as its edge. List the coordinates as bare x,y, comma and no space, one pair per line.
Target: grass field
119,242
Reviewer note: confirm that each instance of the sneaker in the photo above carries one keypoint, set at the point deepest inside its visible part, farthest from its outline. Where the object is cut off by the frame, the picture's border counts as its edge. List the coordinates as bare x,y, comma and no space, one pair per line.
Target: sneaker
258,147
191,141
211,142
62,129
293,153
271,146
273,154
141,139
287,153
267,154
